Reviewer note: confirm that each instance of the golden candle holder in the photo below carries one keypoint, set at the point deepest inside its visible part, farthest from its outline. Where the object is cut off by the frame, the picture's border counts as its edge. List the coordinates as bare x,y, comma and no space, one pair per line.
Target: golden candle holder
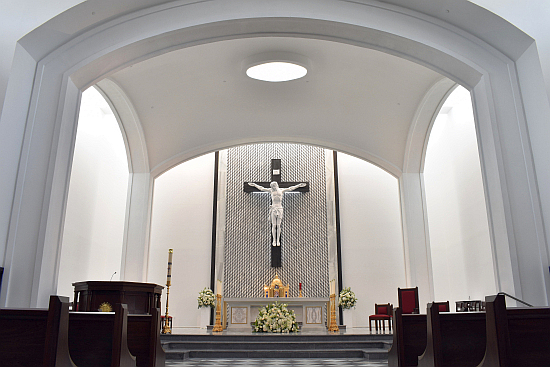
166,329
218,324
333,325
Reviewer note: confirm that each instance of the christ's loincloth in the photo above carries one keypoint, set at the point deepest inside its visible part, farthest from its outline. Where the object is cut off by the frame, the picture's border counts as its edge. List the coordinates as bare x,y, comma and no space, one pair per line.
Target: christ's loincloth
277,211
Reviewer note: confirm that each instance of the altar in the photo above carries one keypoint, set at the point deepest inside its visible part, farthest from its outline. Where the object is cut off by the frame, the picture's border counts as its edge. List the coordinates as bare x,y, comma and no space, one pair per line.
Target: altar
241,312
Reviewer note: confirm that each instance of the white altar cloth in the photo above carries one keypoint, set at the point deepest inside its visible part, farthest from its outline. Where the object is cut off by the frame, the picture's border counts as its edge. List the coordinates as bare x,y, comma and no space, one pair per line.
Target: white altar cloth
241,312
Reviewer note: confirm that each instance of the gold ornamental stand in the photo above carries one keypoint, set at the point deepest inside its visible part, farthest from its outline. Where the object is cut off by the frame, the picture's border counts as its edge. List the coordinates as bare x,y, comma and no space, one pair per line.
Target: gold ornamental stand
333,328
218,324
166,329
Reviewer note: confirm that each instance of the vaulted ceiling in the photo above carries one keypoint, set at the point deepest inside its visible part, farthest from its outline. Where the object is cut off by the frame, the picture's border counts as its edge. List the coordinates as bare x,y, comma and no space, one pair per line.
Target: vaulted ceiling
361,97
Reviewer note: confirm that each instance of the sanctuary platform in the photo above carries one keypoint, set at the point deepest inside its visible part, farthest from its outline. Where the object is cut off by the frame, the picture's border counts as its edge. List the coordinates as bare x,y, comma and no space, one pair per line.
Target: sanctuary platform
356,344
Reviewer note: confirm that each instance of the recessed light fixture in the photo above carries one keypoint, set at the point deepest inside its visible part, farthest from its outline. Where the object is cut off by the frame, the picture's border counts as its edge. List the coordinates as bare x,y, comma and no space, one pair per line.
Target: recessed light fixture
276,66
276,71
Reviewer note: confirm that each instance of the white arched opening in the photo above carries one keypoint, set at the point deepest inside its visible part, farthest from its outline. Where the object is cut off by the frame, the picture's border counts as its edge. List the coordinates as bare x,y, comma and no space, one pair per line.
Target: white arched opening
460,242
50,71
92,243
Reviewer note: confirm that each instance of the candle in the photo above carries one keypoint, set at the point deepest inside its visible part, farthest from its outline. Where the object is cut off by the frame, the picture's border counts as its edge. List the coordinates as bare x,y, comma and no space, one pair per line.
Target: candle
169,276
300,286
219,290
332,286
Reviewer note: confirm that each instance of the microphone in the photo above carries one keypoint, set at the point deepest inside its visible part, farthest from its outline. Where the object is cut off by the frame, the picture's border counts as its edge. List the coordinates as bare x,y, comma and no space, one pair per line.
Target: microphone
112,276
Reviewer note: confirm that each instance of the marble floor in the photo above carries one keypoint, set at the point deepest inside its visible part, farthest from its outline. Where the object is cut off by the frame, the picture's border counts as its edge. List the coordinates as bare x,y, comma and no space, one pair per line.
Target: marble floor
281,362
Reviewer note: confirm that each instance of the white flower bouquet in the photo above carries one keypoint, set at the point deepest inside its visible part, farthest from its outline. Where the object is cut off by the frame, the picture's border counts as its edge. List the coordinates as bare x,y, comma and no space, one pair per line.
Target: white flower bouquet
206,298
275,318
347,299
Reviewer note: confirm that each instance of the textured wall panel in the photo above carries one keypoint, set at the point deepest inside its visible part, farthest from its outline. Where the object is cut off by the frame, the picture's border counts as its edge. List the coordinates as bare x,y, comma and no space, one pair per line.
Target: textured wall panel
248,229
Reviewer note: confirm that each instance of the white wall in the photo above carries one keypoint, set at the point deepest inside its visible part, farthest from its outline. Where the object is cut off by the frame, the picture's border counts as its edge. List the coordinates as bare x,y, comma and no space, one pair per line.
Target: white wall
373,260
94,223
182,220
459,235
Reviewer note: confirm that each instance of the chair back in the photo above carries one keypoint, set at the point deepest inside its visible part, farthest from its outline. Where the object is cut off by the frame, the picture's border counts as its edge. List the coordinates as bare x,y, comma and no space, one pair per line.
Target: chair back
443,306
385,309
408,300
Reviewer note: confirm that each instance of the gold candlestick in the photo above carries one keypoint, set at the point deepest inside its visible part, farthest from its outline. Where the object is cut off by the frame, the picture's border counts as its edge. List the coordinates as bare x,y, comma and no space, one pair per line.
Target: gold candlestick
166,328
218,324
333,325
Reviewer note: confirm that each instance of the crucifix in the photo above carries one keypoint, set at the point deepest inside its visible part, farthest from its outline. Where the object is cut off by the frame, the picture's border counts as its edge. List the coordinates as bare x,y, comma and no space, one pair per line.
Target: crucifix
276,188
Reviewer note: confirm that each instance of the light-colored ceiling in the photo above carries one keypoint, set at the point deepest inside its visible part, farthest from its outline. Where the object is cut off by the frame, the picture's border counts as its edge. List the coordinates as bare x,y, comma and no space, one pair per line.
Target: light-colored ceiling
352,96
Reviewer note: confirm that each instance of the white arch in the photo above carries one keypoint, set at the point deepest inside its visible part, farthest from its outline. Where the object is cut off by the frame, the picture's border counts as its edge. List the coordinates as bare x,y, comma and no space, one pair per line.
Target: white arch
50,69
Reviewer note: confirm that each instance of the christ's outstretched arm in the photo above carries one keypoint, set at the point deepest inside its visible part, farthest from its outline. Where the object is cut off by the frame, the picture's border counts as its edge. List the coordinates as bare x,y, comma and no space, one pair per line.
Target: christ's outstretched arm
292,188
261,188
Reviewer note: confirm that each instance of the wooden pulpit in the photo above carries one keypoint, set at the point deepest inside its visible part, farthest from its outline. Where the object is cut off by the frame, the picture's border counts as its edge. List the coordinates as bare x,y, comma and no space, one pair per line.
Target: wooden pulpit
103,295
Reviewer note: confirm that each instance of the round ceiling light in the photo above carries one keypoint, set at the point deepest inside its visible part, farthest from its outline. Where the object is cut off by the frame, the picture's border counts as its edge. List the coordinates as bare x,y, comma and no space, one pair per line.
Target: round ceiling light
276,66
276,71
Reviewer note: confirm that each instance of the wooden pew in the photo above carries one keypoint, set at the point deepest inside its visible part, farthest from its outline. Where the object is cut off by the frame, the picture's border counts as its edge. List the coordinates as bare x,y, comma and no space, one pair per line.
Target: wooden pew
409,339
144,339
99,339
453,339
35,337
516,336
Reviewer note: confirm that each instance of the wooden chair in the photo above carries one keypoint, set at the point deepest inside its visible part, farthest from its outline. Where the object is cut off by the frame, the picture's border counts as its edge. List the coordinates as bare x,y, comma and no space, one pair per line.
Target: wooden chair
443,306
408,300
381,314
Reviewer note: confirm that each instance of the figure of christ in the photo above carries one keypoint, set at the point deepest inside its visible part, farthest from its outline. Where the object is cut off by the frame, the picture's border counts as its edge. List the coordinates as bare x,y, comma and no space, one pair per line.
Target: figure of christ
276,207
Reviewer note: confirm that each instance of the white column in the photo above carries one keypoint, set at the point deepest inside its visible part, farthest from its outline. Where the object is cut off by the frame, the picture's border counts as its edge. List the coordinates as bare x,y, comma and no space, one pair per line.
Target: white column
39,184
418,264
135,252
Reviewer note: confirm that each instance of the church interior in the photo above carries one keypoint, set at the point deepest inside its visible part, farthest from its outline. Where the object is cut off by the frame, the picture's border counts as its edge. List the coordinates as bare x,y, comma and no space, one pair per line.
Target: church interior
130,132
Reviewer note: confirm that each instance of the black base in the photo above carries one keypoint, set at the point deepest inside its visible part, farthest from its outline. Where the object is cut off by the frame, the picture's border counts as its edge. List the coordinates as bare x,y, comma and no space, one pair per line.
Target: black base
276,256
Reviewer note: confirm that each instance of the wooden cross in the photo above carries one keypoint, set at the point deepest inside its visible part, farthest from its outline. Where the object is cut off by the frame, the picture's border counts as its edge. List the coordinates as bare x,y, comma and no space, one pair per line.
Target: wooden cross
276,176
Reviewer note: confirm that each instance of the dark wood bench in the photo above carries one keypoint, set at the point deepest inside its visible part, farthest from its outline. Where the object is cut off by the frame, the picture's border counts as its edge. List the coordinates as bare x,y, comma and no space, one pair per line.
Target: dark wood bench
453,339
99,339
35,337
516,336
144,339
409,339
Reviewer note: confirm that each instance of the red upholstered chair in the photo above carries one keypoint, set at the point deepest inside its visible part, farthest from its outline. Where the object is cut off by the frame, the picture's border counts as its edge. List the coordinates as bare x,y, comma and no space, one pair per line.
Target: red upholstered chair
408,300
443,306
381,314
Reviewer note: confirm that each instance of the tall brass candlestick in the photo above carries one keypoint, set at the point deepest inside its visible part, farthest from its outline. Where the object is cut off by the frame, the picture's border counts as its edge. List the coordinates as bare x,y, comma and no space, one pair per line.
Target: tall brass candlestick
167,329
333,324
218,323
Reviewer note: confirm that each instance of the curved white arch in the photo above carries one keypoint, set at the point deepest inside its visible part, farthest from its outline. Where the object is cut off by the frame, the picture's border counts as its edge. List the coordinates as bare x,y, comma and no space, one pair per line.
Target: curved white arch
130,126
55,61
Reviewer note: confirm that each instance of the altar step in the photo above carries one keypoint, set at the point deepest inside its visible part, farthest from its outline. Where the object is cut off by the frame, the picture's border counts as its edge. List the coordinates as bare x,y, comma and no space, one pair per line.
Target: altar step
370,347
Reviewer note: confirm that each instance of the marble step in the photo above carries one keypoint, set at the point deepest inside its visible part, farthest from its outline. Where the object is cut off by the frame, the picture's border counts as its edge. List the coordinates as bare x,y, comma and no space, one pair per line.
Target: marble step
370,354
370,347
274,345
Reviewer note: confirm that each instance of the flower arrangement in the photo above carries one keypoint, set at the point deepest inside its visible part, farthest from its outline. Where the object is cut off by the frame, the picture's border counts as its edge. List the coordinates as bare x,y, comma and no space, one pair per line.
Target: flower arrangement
206,298
347,299
275,318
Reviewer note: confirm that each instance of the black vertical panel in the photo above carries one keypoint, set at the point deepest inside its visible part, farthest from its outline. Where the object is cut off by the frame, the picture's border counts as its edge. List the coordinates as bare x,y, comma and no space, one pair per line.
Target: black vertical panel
276,256
338,240
276,170
214,221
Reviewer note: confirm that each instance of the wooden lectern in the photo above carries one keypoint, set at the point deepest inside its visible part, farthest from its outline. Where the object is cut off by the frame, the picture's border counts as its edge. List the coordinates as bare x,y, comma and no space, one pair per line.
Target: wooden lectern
103,295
